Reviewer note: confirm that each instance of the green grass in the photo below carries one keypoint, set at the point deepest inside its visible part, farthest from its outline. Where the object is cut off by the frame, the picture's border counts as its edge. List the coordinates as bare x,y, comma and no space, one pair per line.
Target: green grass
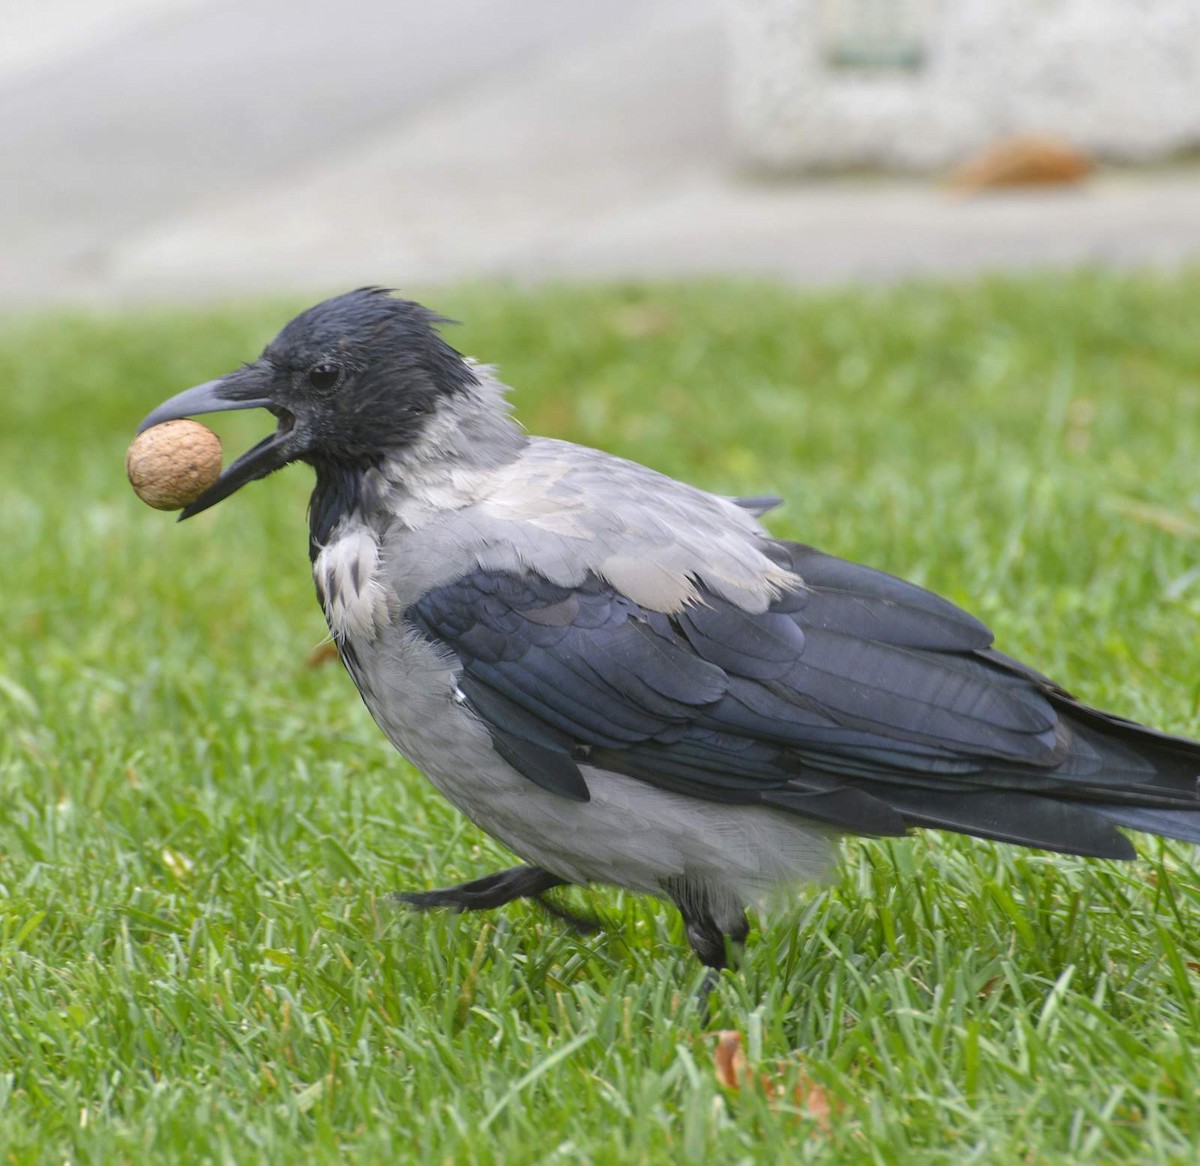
199,832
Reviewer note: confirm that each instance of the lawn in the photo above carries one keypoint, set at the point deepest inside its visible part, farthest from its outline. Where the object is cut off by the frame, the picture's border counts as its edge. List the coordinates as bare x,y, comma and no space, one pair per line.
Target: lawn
200,828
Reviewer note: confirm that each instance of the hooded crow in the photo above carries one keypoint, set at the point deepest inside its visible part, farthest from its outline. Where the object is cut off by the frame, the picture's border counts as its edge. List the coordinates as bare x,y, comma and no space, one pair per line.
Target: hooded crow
626,679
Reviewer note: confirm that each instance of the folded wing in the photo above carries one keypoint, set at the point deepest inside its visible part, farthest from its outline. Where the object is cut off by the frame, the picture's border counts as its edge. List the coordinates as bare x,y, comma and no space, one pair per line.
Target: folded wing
858,700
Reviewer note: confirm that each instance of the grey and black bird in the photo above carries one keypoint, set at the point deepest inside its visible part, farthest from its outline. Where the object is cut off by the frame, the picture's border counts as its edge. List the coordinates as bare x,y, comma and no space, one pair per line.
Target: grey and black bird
627,680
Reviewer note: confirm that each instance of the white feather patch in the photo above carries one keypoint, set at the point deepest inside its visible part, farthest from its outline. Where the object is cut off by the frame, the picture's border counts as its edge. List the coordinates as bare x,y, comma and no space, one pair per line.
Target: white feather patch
347,577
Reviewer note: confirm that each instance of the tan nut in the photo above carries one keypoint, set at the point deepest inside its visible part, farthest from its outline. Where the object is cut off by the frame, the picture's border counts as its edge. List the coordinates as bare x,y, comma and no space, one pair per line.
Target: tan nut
172,464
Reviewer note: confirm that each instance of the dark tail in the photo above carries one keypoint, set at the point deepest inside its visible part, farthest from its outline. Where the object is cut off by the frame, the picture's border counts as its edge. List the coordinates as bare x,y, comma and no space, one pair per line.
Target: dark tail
1166,807
1115,773
1110,772
1181,824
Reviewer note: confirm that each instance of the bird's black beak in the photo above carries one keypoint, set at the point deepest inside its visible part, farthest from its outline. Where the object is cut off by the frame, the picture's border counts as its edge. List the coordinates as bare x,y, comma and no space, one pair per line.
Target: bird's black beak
238,390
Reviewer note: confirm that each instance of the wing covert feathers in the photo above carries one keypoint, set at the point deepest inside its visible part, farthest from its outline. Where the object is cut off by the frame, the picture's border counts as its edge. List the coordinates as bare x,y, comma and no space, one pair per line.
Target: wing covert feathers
853,698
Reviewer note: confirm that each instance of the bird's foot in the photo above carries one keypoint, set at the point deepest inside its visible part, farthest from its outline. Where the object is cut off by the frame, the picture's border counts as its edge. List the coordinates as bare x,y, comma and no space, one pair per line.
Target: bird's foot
712,944
518,882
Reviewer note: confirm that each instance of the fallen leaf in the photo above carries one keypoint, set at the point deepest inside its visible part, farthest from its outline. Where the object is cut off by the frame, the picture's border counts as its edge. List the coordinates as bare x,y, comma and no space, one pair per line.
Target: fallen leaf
729,1059
990,987
806,1095
1022,160
324,653
812,1097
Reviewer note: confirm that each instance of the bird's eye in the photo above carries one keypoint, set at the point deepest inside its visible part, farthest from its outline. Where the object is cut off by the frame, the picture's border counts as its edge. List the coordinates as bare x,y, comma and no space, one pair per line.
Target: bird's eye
324,376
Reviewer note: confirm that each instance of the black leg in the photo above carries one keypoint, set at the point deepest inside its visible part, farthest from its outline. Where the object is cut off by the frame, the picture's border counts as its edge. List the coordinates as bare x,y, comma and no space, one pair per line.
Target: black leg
706,938
518,882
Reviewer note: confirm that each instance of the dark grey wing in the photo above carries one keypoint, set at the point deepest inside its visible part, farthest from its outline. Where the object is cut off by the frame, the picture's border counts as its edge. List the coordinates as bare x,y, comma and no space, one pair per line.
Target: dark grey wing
568,676
555,671
858,699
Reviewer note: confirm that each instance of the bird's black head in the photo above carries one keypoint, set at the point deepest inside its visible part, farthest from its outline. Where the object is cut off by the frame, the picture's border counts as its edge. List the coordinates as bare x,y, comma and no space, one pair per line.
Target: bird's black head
349,380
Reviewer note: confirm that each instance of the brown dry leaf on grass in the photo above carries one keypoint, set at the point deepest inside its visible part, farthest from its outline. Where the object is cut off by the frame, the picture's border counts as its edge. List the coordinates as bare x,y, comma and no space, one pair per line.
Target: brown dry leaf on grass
812,1098
734,1074
729,1060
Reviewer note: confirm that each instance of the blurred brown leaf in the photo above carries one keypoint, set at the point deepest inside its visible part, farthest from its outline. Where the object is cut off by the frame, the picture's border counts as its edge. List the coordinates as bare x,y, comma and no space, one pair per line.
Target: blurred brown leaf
1022,160
729,1059
812,1097
324,653
733,1073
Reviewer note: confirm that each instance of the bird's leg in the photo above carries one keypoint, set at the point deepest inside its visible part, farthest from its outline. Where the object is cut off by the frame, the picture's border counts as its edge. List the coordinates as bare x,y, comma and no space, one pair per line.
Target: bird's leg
494,890
707,939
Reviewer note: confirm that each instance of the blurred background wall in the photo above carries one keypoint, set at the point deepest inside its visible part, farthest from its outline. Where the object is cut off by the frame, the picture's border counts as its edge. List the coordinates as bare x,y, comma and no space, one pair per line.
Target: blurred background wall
922,83
157,149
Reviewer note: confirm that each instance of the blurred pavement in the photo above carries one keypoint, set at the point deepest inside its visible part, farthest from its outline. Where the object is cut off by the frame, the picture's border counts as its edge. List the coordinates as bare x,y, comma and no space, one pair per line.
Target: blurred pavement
199,148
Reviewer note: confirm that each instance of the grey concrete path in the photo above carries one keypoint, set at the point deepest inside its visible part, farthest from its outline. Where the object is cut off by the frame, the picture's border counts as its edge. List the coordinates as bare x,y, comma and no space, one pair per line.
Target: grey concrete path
196,148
